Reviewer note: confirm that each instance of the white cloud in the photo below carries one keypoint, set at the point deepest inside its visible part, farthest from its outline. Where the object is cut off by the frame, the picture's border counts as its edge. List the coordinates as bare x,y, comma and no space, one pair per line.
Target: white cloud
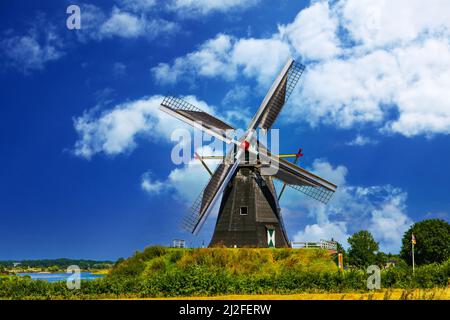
128,25
185,182
138,5
260,58
211,59
379,209
379,63
375,23
389,222
116,130
130,21
203,7
400,64
31,51
150,186
313,32
123,24
222,56
412,81
325,231
236,96
360,141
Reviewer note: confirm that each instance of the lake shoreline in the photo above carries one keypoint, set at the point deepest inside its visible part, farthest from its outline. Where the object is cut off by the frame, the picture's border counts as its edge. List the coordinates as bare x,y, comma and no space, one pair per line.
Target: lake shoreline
59,276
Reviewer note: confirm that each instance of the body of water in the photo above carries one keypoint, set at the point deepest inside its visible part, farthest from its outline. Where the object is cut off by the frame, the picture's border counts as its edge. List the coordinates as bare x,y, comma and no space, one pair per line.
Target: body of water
53,277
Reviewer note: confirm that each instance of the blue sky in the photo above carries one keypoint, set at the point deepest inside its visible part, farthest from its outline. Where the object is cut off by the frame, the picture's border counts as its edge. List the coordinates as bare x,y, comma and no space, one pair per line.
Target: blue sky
85,167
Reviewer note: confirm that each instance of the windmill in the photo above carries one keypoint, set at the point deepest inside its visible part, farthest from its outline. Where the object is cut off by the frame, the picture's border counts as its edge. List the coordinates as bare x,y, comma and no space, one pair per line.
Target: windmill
249,214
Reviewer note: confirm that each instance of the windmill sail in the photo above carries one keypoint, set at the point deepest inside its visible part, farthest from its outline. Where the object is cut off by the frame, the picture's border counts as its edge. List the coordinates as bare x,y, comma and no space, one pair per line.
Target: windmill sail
277,96
299,178
210,194
196,117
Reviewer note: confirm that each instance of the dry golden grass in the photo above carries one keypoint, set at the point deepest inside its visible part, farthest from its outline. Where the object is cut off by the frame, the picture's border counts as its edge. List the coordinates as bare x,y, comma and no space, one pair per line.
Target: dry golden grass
393,294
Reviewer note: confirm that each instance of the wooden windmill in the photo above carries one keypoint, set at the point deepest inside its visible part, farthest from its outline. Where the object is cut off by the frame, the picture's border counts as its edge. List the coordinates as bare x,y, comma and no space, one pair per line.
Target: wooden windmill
249,214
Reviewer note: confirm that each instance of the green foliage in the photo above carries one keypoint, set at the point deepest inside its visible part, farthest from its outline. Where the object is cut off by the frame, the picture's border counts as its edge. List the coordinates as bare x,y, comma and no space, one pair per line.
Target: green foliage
426,276
362,249
54,269
135,265
166,272
59,263
433,242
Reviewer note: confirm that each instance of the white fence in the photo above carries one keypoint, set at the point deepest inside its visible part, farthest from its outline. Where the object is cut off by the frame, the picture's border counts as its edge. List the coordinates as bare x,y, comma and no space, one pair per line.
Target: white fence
322,244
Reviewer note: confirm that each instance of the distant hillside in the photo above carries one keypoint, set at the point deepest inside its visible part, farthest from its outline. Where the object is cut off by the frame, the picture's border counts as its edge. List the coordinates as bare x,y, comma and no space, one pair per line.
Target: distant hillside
61,263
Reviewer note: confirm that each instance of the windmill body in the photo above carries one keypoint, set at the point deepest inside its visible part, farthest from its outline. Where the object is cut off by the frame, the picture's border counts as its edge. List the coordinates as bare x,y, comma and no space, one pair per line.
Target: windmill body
249,214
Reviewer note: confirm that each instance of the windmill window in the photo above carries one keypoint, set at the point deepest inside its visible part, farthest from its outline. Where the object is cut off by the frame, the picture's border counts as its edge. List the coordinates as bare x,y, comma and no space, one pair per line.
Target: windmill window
243,211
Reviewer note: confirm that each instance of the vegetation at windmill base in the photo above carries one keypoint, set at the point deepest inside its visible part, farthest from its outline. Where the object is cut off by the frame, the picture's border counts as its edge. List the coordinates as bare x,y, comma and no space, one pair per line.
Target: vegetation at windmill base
167,272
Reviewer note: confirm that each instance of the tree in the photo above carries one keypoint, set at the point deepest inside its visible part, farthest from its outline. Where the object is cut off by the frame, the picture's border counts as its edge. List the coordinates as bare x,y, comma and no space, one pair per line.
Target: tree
362,251
381,259
432,242
53,269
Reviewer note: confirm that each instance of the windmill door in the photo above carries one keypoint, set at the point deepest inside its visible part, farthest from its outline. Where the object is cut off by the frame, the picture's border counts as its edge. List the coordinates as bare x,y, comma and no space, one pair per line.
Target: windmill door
271,237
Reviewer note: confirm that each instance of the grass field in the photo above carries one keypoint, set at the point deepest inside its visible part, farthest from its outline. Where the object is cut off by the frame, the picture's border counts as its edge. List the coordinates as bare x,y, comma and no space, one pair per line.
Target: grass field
393,294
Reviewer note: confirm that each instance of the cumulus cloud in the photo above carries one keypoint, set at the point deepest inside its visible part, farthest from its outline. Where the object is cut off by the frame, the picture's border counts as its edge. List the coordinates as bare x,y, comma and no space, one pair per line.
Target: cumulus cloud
374,23
123,24
313,34
211,59
360,141
138,5
133,19
379,209
256,61
150,186
325,231
379,63
203,7
236,96
185,182
128,25
116,130
32,50
410,81
223,56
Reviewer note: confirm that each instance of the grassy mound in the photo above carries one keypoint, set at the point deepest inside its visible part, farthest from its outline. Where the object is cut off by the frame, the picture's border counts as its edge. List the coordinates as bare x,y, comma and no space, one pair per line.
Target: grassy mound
160,271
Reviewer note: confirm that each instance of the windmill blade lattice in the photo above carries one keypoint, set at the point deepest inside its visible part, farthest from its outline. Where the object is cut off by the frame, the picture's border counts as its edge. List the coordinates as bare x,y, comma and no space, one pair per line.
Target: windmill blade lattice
205,201
281,95
196,117
318,193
